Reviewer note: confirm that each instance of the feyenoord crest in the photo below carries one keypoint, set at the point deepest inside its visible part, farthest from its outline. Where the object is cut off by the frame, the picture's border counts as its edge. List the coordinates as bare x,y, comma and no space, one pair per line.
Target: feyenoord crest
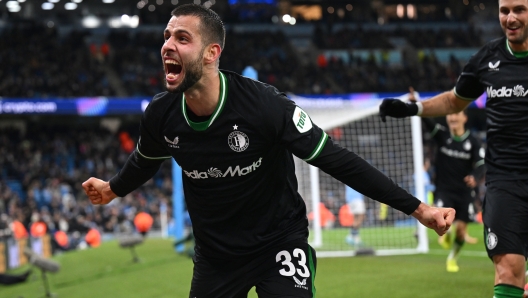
467,145
238,141
492,240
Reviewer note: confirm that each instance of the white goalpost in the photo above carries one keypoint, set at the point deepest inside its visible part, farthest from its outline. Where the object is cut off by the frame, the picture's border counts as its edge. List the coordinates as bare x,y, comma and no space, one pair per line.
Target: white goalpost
395,148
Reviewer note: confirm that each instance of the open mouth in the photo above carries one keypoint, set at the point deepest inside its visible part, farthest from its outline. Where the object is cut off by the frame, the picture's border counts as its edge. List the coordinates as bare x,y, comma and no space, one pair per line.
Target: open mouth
514,29
172,69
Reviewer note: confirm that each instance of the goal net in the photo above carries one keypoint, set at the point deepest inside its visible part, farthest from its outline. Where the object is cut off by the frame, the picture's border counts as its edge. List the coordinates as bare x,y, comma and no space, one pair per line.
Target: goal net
395,148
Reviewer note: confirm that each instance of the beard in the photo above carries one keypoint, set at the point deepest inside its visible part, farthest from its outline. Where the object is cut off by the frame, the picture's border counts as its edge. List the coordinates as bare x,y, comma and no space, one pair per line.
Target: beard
193,73
519,39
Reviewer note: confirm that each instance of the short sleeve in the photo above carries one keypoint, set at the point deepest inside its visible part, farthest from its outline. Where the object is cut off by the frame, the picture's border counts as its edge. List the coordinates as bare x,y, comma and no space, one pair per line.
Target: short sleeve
468,86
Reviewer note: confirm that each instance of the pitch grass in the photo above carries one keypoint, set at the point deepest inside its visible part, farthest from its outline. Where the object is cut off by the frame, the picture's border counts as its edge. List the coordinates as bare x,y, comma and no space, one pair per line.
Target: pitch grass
108,271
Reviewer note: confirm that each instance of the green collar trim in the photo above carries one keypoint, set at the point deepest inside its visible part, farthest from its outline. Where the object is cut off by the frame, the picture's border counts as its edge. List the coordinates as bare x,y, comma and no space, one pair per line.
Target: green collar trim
201,126
516,54
460,138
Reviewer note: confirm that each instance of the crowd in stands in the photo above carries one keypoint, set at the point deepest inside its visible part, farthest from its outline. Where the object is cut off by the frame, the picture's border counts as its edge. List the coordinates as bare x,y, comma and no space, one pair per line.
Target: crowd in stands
42,169
38,62
357,37
358,75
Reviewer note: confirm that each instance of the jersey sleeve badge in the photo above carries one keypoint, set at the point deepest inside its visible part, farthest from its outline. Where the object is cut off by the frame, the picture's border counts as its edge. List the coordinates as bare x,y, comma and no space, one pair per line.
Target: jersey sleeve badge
301,120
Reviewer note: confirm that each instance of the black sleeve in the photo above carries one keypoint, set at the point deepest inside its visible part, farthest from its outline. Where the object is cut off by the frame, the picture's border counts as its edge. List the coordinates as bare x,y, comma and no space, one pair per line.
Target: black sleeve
150,153
136,171
468,85
357,173
477,156
429,124
438,133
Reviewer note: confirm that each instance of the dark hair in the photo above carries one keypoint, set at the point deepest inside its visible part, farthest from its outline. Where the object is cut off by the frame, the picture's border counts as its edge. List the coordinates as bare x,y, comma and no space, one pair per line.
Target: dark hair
212,27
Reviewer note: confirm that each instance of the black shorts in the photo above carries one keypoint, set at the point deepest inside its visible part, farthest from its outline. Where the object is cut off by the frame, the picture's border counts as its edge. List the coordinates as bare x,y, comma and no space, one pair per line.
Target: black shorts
284,271
505,216
462,202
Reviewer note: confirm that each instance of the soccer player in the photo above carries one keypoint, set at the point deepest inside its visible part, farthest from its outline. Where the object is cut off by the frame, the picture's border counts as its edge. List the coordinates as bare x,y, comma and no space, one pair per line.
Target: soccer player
459,164
500,69
234,138
356,203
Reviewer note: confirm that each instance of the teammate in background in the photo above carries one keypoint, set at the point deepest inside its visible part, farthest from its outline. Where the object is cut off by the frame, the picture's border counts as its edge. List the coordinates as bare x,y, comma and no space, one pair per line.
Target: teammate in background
356,203
234,138
500,69
459,165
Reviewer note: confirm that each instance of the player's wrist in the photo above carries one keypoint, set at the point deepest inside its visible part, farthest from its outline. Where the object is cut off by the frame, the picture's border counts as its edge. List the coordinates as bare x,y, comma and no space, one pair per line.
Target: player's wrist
420,210
419,105
107,190
413,109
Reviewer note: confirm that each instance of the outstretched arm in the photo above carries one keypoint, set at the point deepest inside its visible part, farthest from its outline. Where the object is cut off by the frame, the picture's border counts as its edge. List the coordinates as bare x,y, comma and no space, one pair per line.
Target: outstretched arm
136,171
357,173
439,105
443,104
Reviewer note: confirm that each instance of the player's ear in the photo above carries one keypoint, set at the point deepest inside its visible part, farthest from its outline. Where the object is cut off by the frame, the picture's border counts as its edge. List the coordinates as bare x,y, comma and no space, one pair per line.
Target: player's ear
212,53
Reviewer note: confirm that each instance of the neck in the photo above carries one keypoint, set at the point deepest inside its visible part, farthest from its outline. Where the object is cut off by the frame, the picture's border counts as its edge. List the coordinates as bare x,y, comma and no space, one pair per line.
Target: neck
458,132
203,97
518,47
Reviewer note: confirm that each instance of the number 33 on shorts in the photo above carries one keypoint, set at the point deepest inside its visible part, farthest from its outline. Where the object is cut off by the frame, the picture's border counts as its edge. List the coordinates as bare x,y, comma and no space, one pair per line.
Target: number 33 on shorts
297,268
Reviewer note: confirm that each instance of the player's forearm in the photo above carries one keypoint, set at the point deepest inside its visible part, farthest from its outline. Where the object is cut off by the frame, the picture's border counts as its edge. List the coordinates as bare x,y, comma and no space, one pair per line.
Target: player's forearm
479,170
443,104
136,171
355,172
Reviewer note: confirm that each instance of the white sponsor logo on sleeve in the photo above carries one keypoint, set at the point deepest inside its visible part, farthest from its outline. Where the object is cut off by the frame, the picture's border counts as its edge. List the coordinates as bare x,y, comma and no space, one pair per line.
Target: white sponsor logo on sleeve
301,120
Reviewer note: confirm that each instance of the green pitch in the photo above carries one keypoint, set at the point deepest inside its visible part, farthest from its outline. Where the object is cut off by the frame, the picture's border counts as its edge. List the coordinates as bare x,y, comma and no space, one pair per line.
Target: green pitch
108,271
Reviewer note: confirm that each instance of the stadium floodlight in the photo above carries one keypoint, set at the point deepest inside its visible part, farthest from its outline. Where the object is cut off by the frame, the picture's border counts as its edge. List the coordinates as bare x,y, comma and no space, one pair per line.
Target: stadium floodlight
133,22
286,18
14,9
53,1
47,6
21,1
292,21
12,4
395,148
77,1
91,22
115,22
70,6
108,1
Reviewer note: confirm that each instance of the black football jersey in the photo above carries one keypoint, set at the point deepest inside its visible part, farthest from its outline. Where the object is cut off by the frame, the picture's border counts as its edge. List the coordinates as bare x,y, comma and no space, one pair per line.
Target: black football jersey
237,166
240,189
457,157
495,69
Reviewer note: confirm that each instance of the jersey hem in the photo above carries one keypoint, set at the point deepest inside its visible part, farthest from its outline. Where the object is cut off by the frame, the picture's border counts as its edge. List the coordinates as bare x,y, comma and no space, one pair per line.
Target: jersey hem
462,97
147,157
